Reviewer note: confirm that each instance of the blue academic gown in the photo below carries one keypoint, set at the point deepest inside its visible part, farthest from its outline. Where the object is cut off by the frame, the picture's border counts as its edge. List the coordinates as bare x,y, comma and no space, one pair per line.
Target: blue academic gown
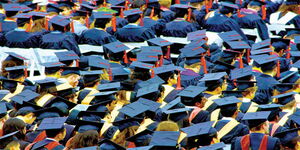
155,26
134,33
222,23
167,15
255,140
19,38
8,26
265,84
45,142
96,36
121,22
239,130
251,20
200,17
178,28
59,40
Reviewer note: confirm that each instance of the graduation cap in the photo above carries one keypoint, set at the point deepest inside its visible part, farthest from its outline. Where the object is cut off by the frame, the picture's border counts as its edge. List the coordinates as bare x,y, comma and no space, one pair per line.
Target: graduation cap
257,3
199,129
91,76
52,67
241,72
116,47
66,56
200,34
265,60
289,137
83,125
16,8
8,137
296,64
159,42
263,44
26,95
227,101
148,90
53,8
213,76
154,49
227,53
244,84
98,62
60,21
152,106
165,138
16,71
49,112
105,97
46,83
228,7
217,146
15,56
193,51
67,3
102,15
52,123
238,45
108,144
8,84
141,136
262,51
88,148
279,43
165,68
177,114
62,104
255,119
114,86
70,70
285,98
134,109
140,66
289,77
292,31
274,108
189,94
230,36
119,74
154,80
131,12
95,116
147,57
3,109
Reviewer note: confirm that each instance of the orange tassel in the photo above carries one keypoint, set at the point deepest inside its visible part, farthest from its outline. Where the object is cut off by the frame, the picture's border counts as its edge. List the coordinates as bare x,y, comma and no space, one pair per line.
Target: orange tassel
189,14
114,23
239,13
80,1
87,21
0,27
241,61
248,55
278,69
104,3
125,58
168,55
288,54
110,74
77,62
208,51
152,73
177,1
72,27
178,86
234,82
203,62
121,13
206,6
264,13
126,5
25,71
152,13
28,29
161,61
142,20
46,24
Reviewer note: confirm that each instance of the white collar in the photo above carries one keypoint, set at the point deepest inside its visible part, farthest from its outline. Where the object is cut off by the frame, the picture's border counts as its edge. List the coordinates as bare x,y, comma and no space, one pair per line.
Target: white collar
227,118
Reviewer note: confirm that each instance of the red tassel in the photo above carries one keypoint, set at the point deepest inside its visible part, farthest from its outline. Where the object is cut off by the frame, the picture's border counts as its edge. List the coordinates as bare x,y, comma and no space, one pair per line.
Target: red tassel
288,54
208,51
28,29
152,13
177,1
121,13
0,27
178,86
152,73
278,69
104,3
87,21
168,55
203,62
25,71
72,27
77,62
241,64
239,13
248,55
110,74
114,23
46,24
126,5
141,20
80,1
206,6
189,14
125,58
234,82
161,61
264,13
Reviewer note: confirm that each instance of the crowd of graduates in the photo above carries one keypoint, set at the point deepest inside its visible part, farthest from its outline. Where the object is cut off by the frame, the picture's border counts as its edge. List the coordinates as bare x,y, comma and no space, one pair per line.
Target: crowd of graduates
154,75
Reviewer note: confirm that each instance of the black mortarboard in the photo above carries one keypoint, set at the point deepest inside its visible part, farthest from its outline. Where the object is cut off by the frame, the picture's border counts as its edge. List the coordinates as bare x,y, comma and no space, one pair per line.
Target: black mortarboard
83,125
226,101
108,144
285,98
53,8
52,123
230,36
116,47
189,94
261,51
70,70
241,72
213,76
154,80
255,119
263,44
133,109
148,90
62,104
26,95
16,71
91,76
238,45
177,114
154,49
66,56
114,86
61,21
200,34
165,139
98,62
159,42
198,129
140,66
48,113
52,67
152,106
120,74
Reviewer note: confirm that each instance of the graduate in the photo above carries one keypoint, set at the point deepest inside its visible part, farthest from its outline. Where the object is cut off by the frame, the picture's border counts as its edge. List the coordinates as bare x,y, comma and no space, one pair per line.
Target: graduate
258,138
79,19
98,36
182,25
139,33
221,22
59,38
250,19
280,47
152,20
199,13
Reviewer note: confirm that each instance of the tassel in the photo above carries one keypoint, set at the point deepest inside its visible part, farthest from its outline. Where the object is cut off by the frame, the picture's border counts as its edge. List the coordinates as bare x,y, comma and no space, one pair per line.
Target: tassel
94,2
114,23
46,24
87,21
125,58
121,13
239,13
288,54
28,29
161,61
25,71
80,1
203,62
248,55
104,3
278,69
208,51
189,14
77,62
72,27
152,73
234,82
241,64
168,55
152,13
264,13
177,1
206,6
0,26
110,74
241,2
126,5
178,86
141,20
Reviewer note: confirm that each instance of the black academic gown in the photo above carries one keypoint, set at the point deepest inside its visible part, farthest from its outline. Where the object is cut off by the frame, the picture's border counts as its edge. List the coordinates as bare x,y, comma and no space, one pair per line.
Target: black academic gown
265,84
96,37
134,33
178,28
19,38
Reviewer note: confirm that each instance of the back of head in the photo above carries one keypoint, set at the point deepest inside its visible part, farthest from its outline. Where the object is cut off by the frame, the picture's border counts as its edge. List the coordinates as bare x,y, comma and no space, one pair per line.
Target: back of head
167,126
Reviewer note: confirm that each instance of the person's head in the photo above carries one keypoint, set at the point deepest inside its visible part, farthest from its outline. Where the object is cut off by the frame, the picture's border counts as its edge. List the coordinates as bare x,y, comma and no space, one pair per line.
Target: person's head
26,113
165,3
195,66
57,134
9,63
284,8
133,18
167,126
38,25
102,23
155,12
15,124
216,86
229,110
73,79
197,4
138,4
263,128
279,47
249,92
85,139
255,5
228,9
137,75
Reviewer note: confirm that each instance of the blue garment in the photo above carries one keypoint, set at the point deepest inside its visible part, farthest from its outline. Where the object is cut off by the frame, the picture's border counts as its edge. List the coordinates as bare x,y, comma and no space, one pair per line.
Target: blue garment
167,15
200,17
79,28
222,23
239,130
265,84
251,21
255,140
121,22
21,39
134,33
285,64
155,26
45,142
96,37
58,40
178,28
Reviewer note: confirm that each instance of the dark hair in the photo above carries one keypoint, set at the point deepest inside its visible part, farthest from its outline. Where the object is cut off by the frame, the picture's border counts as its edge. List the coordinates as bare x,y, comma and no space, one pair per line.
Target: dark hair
140,75
9,14
60,28
268,66
212,85
148,11
85,139
54,132
14,124
166,76
137,4
228,110
133,18
22,22
101,23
